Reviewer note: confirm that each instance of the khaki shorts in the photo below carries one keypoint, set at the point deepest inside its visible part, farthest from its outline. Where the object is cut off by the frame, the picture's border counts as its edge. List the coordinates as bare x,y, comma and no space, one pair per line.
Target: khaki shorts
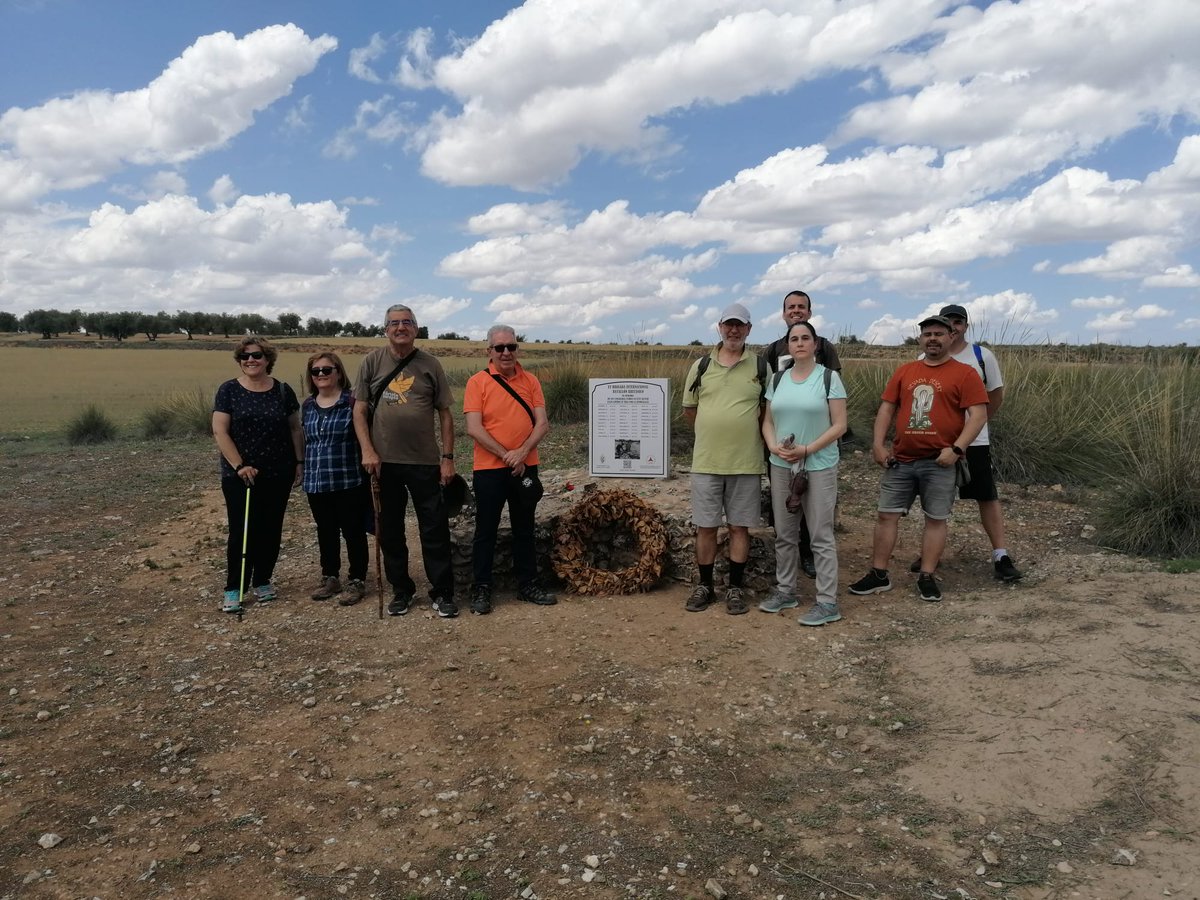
726,500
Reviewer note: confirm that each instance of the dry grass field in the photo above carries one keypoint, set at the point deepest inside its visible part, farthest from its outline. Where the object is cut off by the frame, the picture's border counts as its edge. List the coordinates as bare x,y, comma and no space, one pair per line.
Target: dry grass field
49,385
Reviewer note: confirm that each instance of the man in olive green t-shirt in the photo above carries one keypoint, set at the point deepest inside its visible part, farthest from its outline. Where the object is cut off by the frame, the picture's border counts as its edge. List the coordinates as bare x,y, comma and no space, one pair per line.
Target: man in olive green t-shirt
724,404
395,424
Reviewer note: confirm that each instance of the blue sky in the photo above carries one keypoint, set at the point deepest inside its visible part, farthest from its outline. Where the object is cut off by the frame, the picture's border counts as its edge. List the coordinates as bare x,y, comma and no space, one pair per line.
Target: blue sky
609,171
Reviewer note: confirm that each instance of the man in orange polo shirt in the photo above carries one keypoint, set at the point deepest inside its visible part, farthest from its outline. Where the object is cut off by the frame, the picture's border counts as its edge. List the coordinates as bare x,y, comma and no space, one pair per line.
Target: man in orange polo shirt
506,417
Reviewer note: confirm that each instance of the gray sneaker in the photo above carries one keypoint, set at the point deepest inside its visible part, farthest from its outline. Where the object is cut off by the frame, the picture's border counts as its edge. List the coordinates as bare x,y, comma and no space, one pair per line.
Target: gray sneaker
778,602
820,614
735,601
700,599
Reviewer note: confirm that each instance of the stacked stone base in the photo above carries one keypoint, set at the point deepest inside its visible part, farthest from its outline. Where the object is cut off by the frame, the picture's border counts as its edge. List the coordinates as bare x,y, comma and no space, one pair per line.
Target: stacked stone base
612,549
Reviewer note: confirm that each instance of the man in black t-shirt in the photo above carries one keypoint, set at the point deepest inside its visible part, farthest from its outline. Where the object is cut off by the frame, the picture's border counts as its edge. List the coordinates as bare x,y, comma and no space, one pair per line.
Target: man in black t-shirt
797,307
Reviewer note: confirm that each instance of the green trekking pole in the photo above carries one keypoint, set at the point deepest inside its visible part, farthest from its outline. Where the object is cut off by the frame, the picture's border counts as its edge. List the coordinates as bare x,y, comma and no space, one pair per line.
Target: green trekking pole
245,535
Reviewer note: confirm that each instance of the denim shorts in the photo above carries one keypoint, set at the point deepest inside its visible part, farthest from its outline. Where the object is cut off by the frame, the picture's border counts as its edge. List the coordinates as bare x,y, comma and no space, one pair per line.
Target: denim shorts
922,477
738,496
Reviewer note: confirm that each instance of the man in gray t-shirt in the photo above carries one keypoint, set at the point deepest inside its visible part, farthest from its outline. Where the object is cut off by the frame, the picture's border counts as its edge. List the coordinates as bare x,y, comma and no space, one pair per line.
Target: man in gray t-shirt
400,392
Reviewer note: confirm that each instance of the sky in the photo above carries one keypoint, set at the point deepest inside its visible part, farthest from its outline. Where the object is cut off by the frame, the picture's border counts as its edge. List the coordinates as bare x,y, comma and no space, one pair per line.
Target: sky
610,170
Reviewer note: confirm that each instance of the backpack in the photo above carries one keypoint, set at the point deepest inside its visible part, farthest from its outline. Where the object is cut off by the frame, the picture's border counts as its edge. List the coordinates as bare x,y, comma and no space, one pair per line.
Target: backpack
763,371
982,364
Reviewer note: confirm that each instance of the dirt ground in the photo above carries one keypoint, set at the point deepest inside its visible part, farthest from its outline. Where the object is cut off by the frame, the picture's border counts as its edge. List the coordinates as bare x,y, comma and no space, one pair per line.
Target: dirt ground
1031,741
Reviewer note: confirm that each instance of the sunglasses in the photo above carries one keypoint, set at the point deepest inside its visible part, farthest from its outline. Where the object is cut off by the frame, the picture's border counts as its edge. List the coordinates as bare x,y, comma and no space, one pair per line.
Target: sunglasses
321,371
396,323
252,354
506,348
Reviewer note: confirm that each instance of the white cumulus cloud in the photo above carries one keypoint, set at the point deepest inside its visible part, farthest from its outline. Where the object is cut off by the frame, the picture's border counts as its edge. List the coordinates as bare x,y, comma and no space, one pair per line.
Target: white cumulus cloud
206,96
1106,302
605,72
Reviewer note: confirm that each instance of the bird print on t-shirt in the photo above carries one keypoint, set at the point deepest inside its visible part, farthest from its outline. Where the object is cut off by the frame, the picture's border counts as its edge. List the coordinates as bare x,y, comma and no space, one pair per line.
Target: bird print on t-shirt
397,391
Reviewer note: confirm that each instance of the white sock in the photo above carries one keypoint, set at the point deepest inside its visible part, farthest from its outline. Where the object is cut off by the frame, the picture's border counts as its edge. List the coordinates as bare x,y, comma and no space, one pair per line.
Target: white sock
997,554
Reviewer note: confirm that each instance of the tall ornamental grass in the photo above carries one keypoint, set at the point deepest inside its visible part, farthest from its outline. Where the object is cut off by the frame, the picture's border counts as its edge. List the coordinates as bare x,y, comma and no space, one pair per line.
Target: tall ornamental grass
91,426
179,414
1151,493
565,386
1056,420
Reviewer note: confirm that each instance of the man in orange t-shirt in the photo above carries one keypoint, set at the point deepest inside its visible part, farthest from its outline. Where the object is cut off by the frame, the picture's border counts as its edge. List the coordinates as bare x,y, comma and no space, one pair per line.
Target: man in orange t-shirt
938,406
506,417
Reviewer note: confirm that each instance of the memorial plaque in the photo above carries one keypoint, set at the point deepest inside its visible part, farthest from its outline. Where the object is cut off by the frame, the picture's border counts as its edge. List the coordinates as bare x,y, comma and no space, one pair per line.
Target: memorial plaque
629,432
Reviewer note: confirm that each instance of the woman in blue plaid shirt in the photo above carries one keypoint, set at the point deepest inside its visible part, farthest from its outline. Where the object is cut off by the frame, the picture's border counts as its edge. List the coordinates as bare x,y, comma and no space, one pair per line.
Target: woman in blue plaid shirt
333,477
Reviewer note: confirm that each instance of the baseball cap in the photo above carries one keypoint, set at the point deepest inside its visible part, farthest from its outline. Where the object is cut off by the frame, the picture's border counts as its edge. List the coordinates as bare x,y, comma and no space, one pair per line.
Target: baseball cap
939,320
735,311
955,310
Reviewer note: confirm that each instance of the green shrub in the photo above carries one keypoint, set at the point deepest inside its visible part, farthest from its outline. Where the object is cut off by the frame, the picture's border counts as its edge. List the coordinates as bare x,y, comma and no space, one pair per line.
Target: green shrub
1150,504
156,423
864,382
566,390
91,426
181,414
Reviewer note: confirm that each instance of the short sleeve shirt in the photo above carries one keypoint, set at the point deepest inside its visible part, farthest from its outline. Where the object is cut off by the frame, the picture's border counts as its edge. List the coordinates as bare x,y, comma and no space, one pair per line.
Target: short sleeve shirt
503,417
406,423
332,461
728,439
931,404
993,380
258,425
801,409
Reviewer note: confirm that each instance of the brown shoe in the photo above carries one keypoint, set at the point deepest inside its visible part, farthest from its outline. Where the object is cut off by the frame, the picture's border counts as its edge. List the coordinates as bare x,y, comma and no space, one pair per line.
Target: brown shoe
328,587
355,591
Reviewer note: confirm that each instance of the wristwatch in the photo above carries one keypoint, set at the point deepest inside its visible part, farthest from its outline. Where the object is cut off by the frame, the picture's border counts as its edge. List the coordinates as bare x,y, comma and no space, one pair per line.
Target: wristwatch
447,456
958,451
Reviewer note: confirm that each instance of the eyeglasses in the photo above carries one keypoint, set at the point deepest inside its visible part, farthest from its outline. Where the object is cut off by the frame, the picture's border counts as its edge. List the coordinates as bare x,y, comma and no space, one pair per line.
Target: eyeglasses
321,371
506,348
251,354
396,323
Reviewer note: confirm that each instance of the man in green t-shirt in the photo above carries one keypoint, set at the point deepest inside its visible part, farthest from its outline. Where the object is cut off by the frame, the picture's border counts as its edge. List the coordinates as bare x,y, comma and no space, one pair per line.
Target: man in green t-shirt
722,398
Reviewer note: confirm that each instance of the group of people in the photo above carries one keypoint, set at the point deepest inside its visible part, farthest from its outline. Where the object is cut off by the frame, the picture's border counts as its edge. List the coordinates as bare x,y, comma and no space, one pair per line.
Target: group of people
789,404
360,455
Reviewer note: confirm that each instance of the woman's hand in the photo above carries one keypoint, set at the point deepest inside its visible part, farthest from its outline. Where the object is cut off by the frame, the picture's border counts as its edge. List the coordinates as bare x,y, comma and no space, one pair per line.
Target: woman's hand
299,474
790,454
247,474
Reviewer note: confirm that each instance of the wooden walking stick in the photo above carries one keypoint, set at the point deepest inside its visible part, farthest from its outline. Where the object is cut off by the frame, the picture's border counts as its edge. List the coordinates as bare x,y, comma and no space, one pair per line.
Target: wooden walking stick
378,564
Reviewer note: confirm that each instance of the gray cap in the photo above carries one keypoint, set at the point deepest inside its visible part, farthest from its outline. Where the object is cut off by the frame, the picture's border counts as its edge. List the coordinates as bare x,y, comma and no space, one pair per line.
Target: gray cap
938,320
954,310
735,312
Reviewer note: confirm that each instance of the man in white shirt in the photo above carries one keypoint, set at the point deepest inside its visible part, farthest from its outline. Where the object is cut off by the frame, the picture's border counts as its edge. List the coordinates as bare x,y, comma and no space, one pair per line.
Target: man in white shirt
982,487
